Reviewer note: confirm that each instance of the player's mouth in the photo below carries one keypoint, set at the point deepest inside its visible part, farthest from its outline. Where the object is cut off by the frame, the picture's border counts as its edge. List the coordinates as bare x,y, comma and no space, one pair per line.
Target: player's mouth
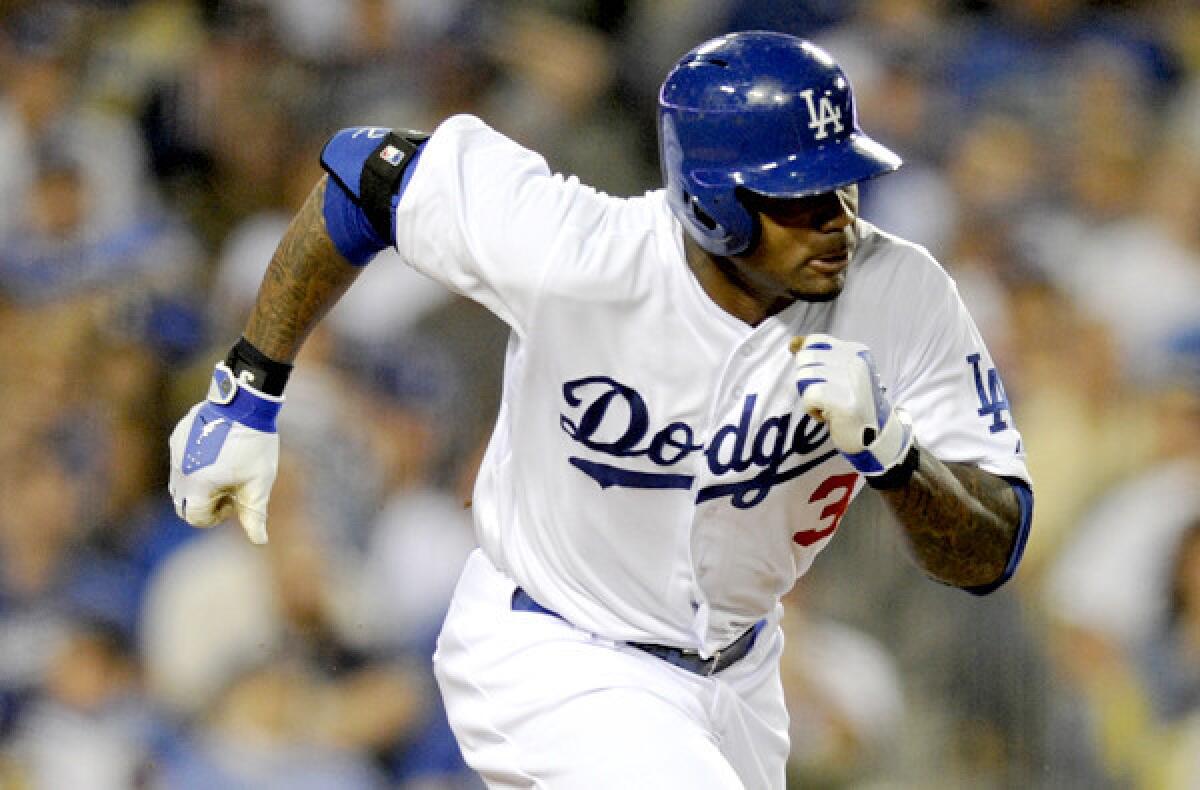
831,263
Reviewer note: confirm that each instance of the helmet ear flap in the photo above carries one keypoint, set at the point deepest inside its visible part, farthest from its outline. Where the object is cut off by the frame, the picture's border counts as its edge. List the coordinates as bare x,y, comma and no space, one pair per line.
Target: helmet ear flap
737,230
754,232
736,236
702,216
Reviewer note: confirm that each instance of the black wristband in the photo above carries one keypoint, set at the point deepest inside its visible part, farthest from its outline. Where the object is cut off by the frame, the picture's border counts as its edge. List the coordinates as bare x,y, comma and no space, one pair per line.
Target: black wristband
899,474
266,375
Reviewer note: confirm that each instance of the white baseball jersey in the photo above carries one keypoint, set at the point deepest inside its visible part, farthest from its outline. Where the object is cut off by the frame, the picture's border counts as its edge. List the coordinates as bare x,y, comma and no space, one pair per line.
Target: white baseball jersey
651,477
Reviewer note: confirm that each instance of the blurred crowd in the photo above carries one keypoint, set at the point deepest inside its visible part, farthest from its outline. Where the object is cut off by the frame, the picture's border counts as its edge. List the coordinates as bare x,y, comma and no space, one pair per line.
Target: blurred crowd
151,154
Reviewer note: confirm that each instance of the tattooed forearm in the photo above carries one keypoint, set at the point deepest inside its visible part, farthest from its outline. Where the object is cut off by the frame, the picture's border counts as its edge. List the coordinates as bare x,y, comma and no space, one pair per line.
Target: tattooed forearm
306,277
960,521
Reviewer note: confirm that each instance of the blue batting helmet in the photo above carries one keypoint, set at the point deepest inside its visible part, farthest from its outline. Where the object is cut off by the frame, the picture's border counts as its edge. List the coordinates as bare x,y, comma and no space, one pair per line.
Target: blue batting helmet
765,112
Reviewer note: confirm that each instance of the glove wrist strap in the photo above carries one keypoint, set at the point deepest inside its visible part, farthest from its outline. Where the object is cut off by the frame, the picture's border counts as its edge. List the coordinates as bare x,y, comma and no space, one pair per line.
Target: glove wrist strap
265,374
899,475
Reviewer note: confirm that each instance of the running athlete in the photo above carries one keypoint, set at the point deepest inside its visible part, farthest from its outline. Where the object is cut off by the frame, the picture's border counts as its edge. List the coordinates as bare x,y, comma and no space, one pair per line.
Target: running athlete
698,382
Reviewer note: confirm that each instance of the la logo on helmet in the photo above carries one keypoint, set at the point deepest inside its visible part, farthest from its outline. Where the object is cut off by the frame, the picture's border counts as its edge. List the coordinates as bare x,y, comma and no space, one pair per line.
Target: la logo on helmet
821,114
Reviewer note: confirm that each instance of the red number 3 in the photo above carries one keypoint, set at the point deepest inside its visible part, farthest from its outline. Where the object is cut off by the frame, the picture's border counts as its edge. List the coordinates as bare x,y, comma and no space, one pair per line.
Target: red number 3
834,510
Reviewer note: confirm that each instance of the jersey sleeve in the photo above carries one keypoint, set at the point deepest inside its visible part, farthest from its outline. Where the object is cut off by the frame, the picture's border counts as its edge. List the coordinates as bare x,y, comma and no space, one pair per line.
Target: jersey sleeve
949,384
486,217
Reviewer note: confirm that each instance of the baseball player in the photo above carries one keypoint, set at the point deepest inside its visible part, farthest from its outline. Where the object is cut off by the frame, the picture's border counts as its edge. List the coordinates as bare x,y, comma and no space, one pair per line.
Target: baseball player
698,382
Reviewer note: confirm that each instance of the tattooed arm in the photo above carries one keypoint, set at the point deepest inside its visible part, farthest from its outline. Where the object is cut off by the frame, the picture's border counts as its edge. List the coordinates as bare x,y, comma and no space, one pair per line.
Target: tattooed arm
960,521
306,277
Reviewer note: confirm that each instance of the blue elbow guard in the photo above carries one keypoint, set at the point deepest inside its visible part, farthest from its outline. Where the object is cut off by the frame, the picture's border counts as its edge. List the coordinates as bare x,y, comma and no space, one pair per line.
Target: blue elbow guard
1025,502
369,168
348,227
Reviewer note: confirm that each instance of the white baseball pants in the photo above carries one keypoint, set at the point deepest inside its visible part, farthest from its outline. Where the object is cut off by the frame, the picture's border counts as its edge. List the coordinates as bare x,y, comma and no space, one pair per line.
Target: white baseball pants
538,703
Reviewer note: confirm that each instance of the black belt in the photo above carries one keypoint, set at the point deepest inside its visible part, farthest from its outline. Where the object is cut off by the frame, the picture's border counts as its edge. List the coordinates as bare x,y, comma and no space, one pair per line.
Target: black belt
684,659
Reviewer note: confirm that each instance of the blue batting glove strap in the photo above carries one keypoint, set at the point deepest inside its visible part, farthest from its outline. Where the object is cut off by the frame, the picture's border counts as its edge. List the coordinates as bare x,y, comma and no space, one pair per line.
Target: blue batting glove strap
890,447
229,401
241,402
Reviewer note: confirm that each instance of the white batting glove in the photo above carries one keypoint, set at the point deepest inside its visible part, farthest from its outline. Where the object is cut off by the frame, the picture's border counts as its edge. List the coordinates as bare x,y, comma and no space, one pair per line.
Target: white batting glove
839,385
225,454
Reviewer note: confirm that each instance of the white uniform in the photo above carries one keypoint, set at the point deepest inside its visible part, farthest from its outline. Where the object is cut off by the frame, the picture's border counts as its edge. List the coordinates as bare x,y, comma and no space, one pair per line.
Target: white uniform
650,478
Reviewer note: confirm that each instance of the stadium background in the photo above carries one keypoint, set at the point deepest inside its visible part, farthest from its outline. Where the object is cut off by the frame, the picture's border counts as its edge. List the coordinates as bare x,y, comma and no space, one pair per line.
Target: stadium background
151,152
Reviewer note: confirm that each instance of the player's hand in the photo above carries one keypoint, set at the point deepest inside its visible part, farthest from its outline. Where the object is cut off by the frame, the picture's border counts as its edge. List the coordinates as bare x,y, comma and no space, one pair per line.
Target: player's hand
224,456
838,385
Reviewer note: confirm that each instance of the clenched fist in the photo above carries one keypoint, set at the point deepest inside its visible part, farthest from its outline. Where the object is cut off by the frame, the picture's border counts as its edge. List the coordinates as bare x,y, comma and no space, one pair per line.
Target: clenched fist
225,454
839,385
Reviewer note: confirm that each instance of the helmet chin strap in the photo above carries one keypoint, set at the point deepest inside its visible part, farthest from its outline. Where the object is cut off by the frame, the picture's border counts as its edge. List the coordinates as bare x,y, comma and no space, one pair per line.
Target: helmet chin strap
848,197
